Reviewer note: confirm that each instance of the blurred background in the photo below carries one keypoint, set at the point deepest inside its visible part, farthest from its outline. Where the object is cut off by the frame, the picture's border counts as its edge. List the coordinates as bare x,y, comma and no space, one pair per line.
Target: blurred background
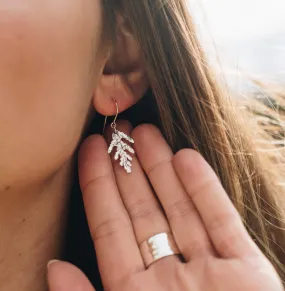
243,38
245,43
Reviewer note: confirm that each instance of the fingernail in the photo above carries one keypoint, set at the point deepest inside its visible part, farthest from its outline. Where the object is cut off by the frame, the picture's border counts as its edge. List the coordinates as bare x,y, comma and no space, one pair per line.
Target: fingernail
51,262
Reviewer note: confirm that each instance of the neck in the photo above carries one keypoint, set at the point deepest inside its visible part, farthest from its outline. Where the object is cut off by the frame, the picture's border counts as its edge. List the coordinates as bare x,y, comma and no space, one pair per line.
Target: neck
32,224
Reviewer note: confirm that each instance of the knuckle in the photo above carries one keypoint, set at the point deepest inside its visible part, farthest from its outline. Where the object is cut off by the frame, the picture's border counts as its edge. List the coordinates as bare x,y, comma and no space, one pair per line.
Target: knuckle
92,184
221,222
180,209
157,166
109,228
145,209
204,186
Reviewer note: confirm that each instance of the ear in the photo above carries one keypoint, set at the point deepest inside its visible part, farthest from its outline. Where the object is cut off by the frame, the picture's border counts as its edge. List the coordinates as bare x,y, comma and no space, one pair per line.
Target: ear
124,77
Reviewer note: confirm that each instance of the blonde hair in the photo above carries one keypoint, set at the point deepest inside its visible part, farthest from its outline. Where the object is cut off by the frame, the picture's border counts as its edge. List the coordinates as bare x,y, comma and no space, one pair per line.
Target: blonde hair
194,112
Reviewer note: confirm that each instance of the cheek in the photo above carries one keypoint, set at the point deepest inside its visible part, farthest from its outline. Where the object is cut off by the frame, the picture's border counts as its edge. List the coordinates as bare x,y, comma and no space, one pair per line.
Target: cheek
46,80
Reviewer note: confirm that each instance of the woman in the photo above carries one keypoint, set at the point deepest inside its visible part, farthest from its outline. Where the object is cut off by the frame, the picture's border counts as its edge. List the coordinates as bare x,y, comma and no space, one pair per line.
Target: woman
62,61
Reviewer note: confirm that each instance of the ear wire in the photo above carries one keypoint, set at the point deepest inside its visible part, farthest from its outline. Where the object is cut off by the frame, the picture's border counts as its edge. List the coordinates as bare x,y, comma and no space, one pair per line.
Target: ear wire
113,124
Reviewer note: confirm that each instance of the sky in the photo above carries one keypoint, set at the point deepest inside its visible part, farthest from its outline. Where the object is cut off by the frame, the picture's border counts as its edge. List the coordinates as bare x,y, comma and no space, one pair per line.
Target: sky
239,19
247,36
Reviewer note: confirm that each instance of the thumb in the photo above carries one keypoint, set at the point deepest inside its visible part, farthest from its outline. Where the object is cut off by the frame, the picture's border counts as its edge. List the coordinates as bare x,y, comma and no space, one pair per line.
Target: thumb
63,276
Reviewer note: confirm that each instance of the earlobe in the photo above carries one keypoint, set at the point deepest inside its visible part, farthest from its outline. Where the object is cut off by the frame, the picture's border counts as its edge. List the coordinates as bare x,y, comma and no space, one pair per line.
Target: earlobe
124,78
127,90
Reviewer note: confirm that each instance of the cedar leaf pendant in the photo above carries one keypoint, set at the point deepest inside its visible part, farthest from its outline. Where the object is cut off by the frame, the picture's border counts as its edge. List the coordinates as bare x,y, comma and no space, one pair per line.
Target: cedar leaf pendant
121,149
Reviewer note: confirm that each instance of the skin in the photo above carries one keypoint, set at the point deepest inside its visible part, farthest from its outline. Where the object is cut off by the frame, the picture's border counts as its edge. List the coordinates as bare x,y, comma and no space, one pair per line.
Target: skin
52,64
46,88
46,82
52,80
123,211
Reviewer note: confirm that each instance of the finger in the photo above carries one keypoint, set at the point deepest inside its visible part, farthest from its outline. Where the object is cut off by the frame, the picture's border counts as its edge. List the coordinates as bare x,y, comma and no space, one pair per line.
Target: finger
141,203
220,217
156,158
66,277
110,227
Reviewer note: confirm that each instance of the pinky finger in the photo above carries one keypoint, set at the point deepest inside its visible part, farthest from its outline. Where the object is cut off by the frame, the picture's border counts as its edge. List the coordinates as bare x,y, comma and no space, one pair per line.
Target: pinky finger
221,219
63,276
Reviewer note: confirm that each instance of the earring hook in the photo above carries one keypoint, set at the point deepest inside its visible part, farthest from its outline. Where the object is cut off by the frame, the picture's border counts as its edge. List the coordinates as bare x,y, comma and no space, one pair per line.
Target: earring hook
113,124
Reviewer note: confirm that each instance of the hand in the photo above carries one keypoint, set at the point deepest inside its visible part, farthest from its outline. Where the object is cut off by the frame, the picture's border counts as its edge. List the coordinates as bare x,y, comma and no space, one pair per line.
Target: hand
124,210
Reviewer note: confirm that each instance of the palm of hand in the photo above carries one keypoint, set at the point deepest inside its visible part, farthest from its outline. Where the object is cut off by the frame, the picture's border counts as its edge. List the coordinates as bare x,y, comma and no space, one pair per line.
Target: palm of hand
219,254
209,274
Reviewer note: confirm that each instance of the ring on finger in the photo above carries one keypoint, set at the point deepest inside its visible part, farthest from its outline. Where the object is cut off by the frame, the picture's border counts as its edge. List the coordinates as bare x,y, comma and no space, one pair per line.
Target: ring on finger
157,247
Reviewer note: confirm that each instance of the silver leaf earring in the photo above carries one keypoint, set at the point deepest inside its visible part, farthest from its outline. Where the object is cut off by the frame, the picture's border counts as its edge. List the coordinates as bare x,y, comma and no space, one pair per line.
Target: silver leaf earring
122,148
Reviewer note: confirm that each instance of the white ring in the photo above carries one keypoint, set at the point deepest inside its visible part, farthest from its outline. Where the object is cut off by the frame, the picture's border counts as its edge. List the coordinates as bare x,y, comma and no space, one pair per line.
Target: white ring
157,247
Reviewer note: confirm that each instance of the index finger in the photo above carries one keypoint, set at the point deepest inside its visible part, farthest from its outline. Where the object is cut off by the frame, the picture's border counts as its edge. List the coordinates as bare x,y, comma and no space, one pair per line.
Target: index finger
111,229
221,219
